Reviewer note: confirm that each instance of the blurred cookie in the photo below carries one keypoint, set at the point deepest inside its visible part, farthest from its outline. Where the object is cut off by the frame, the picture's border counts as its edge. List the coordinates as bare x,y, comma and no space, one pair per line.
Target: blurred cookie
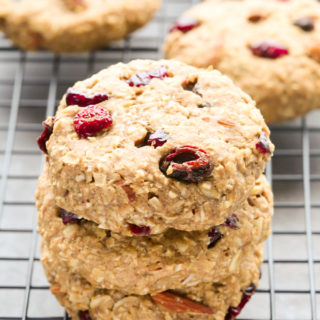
72,25
271,49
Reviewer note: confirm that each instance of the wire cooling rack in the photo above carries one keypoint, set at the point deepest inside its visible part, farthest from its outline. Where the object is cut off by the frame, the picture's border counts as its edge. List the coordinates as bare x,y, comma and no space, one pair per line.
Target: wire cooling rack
30,86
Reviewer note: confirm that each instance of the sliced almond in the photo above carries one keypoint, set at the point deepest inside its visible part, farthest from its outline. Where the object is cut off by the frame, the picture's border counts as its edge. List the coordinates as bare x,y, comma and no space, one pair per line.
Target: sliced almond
314,52
226,123
55,288
255,17
128,190
174,303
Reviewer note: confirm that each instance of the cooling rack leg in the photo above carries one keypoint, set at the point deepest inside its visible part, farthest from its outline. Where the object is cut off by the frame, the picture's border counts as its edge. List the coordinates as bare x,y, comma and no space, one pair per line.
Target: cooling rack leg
11,129
307,210
49,111
270,256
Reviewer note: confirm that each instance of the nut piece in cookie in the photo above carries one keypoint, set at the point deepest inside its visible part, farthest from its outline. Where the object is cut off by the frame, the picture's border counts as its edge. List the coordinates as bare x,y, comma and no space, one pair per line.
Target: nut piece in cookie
177,304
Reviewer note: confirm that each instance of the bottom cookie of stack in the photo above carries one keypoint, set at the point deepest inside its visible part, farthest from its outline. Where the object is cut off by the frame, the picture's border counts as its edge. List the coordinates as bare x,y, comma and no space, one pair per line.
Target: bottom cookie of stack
220,300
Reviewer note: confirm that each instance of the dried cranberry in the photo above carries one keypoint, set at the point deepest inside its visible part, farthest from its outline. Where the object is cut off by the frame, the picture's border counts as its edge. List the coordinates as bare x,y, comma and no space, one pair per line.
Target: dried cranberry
91,120
269,49
233,312
187,163
232,222
68,217
184,24
215,235
46,133
84,315
158,138
305,23
143,78
263,145
75,97
139,230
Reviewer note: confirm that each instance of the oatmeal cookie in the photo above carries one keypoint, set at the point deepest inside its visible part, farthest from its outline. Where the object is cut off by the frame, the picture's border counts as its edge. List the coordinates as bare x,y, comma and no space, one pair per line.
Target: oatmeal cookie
156,145
271,49
220,300
72,25
146,264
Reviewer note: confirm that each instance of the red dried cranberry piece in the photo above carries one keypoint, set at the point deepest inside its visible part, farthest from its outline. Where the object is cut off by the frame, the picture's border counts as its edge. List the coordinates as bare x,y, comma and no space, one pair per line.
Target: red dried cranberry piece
187,163
143,78
84,315
233,312
269,49
215,235
46,133
232,222
68,217
305,23
75,97
263,144
91,120
184,24
157,139
139,230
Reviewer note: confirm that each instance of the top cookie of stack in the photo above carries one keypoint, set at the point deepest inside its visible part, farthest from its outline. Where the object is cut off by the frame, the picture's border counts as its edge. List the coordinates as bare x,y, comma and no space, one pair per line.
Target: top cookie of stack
152,145
271,49
72,25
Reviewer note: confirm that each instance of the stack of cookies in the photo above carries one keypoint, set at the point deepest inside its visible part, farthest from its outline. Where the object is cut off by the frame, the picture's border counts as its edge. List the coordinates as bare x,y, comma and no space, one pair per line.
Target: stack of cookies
152,204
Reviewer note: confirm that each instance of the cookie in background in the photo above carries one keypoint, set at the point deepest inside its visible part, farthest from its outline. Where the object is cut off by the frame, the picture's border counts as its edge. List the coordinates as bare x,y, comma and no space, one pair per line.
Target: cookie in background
72,25
271,50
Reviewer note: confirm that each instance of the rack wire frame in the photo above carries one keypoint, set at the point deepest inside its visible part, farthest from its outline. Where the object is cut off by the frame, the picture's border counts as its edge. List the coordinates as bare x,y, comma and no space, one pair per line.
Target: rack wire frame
296,163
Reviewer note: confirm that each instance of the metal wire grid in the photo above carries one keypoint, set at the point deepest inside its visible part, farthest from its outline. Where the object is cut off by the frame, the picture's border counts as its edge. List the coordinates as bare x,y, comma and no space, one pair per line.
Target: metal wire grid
30,85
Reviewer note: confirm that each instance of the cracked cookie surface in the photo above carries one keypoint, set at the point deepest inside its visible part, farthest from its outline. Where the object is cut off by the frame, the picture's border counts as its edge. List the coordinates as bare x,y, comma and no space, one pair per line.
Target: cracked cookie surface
271,49
119,177
72,25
